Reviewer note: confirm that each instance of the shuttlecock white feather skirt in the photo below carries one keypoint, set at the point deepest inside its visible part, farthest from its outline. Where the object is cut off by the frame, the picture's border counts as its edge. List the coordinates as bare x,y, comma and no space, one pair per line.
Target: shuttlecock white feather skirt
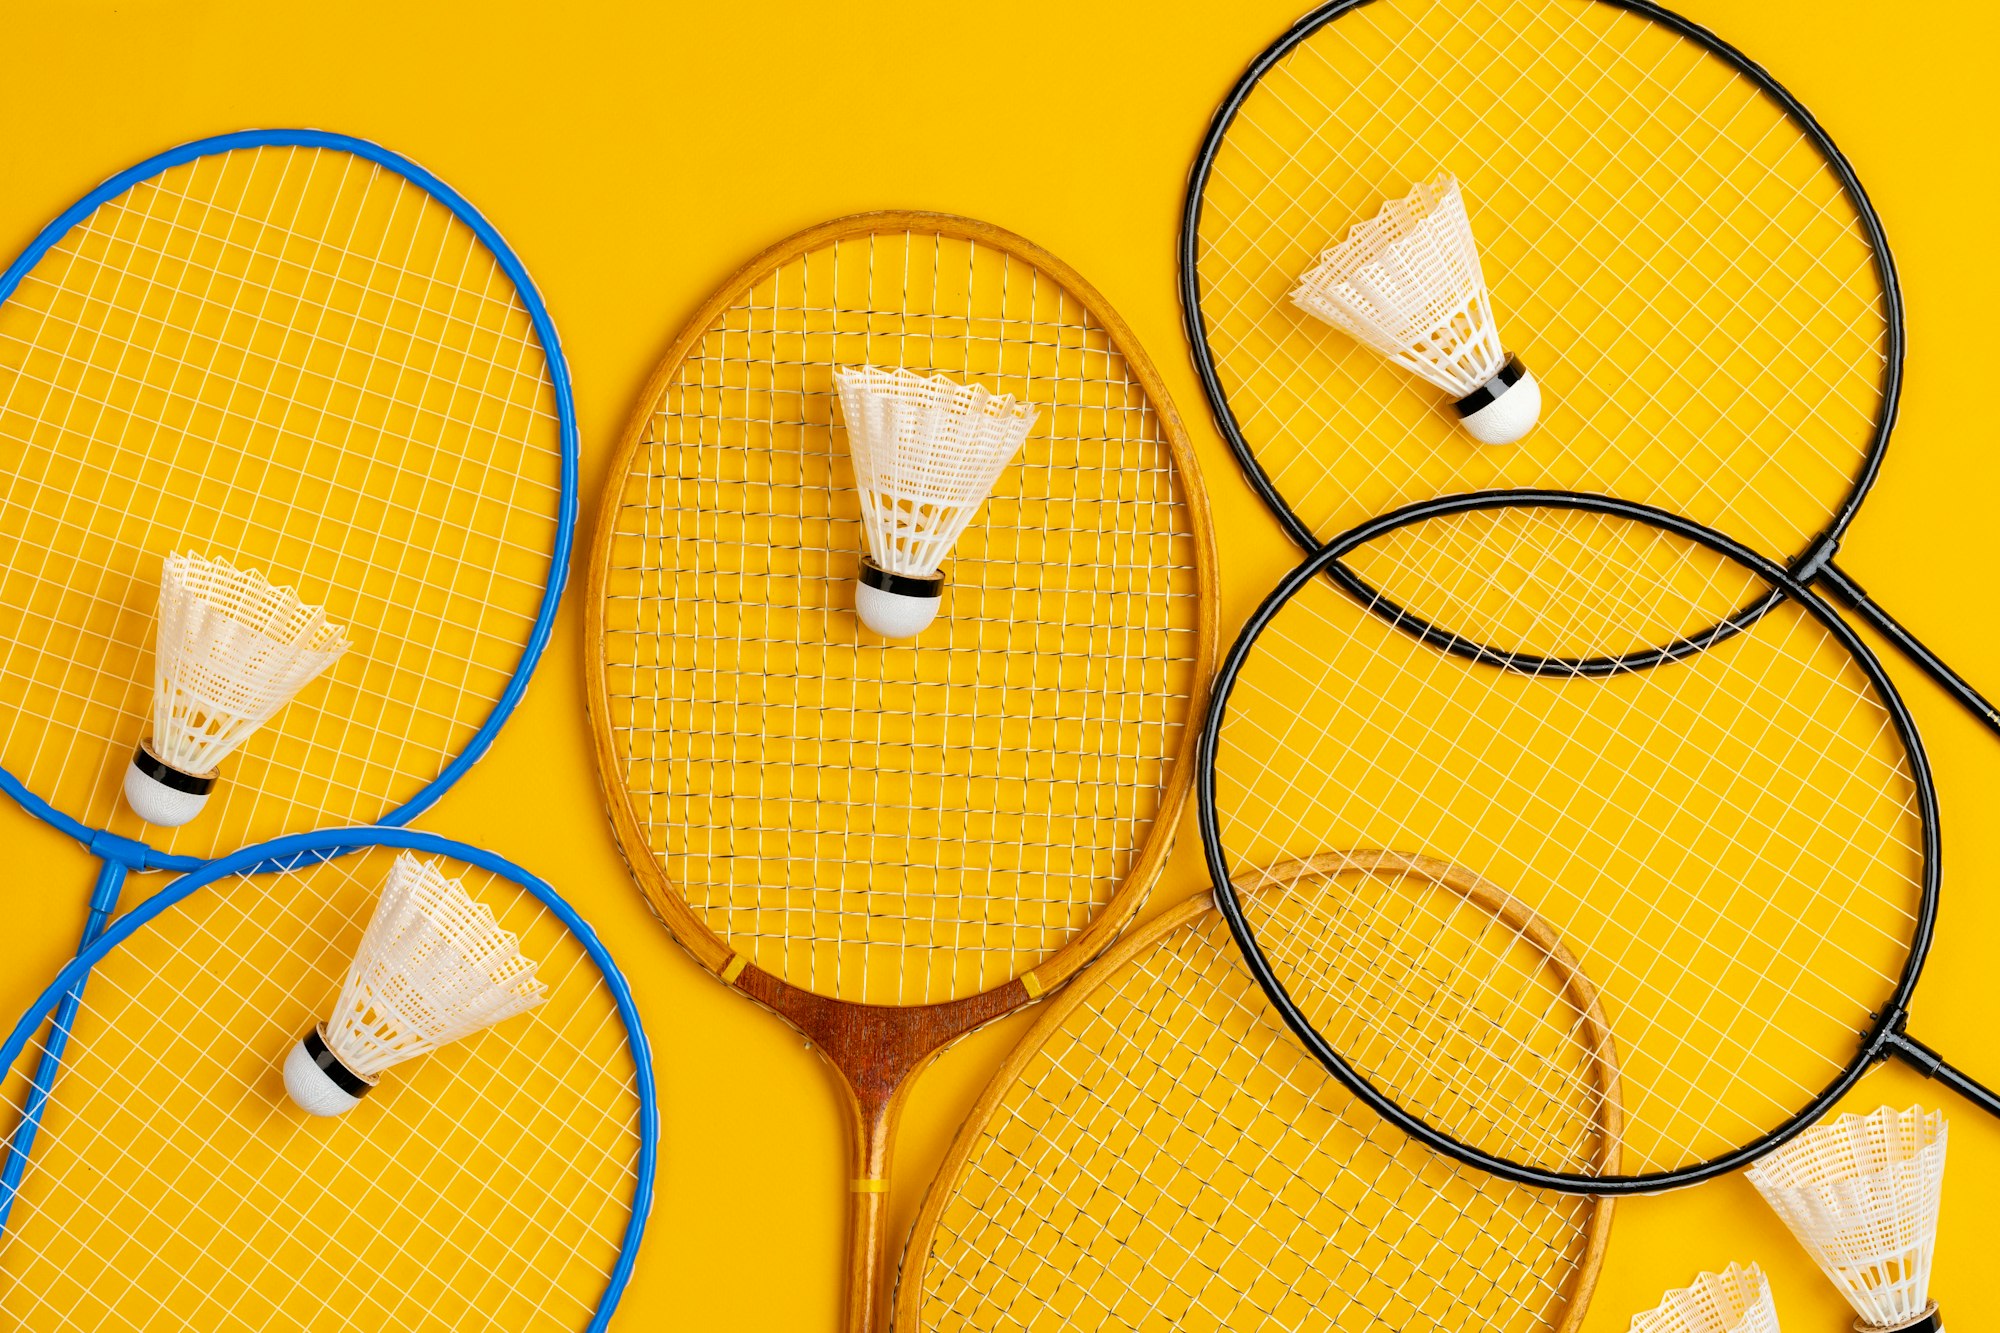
926,453
1407,283
230,649
1861,1194
433,966
1736,1300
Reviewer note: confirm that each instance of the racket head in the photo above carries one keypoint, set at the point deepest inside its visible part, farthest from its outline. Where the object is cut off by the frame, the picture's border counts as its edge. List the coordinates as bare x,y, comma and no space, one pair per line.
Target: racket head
769,800
1753,395
1741,845
1159,1148
304,353
504,1177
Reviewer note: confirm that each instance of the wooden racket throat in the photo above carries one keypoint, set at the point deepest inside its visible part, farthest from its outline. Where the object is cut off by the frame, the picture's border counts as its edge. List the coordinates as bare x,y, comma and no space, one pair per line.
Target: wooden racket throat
877,1050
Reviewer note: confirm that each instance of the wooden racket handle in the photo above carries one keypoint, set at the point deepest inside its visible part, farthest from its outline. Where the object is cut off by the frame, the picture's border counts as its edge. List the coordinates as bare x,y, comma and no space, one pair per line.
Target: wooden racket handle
873,1135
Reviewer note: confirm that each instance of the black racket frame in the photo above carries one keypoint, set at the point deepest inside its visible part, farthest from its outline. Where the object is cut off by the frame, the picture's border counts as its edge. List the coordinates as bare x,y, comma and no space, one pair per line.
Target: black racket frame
1813,564
1887,1034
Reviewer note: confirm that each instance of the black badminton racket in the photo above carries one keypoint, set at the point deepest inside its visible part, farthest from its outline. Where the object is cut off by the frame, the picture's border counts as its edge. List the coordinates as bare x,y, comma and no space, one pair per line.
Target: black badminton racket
1684,261
1740,844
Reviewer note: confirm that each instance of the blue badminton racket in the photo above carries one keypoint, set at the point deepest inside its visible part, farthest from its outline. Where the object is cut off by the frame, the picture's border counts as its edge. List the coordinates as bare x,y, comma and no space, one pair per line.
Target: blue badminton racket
501,1180
304,355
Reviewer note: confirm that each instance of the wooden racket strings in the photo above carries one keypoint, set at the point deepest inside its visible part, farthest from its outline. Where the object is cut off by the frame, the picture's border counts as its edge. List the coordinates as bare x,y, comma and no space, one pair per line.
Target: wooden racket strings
1160,1150
892,843
1738,845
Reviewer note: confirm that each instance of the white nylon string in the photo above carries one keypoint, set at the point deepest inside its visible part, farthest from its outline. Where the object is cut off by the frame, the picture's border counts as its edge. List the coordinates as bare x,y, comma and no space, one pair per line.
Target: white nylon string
1720,355
296,360
173,1185
1757,789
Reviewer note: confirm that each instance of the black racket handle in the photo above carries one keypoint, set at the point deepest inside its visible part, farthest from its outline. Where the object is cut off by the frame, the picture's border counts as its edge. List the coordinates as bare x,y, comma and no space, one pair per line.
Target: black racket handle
1909,645
1932,1065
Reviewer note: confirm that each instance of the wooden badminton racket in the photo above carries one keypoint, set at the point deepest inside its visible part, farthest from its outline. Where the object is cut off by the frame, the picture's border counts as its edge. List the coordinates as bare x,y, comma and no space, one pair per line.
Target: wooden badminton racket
1161,1152
892,844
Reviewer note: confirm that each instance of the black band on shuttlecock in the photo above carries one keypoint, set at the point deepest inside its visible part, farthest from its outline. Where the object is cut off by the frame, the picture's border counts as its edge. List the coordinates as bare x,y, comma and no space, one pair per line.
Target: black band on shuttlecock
164,773
1509,375
329,1064
1930,1321
903,585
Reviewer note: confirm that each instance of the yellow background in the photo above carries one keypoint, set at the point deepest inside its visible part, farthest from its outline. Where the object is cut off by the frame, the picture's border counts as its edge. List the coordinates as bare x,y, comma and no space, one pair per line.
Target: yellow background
634,155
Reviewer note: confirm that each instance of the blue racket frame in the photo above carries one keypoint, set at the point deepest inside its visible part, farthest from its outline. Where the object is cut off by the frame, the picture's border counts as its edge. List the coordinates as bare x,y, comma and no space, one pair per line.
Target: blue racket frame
299,849
135,855
119,856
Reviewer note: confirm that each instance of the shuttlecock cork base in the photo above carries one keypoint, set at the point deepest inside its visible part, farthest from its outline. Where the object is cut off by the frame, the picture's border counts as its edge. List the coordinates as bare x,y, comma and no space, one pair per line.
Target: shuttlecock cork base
161,794
1504,408
896,606
318,1082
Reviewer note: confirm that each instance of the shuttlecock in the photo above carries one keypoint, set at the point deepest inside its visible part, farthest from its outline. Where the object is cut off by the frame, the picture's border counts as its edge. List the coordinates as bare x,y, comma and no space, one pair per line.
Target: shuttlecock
230,651
1736,1300
1407,283
1861,1194
433,966
926,452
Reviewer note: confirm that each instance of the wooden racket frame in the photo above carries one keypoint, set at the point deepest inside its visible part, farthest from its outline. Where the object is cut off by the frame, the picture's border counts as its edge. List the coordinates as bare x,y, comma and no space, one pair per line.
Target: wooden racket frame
1481,893
877,1050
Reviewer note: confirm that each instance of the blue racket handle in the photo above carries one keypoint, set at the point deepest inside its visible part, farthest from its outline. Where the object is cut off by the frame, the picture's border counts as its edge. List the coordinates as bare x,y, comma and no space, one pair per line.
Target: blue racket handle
103,900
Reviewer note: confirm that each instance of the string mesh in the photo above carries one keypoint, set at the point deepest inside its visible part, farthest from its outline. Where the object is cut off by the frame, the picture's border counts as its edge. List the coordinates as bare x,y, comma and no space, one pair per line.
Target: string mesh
174,1185
898,823
1731,844
1671,255
1165,1155
296,361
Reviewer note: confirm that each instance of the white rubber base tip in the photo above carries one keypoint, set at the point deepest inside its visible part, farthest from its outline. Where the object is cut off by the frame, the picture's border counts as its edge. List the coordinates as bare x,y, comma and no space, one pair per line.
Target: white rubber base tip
157,803
1508,417
309,1086
894,615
